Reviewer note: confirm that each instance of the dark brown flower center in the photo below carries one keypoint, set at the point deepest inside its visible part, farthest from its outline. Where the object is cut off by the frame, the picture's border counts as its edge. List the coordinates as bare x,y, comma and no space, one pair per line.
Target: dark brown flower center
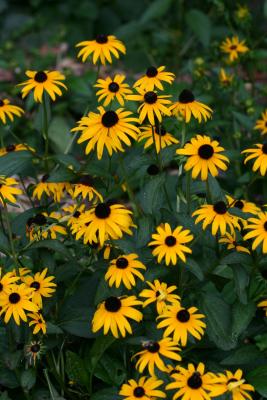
76,214
86,180
122,263
1,287
36,285
150,97
10,148
160,130
2,103
239,204
102,211
153,347
170,241
195,381
39,219
186,96
151,72
45,177
101,39
35,348
40,77
139,391
14,298
112,304
153,169
233,47
205,151
232,380
220,207
113,87
264,148
183,315
265,226
109,119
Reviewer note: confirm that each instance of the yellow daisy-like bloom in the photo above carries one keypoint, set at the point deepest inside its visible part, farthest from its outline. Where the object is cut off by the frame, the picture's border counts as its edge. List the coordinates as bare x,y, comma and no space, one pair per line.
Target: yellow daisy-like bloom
171,244
263,304
8,110
216,214
38,322
233,47
7,280
187,106
257,228
204,157
123,270
42,285
160,293
261,124
51,189
231,383
22,272
191,383
44,226
14,147
153,78
162,137
143,389
73,212
112,89
33,351
15,301
179,322
243,205
53,228
225,78
230,240
102,48
103,222
153,106
261,158
43,81
85,188
242,12
154,353
7,191
107,129
113,313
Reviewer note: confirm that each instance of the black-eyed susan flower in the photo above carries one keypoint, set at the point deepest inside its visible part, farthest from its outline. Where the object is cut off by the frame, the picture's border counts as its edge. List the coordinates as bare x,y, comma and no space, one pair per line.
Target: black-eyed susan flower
103,222
143,389
232,383
6,280
113,314
13,148
43,81
243,205
9,110
85,188
73,212
155,353
42,285
242,12
124,270
204,157
15,301
233,47
34,351
37,322
257,230
160,293
161,136
171,244
225,78
22,272
154,78
50,189
44,225
187,106
261,158
7,189
179,322
111,89
263,304
232,243
216,214
192,383
102,48
153,106
107,129
261,124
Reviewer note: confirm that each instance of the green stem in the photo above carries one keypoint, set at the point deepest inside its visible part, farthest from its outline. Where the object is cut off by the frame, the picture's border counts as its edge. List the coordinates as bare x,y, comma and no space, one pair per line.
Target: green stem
209,199
45,134
183,133
25,144
188,192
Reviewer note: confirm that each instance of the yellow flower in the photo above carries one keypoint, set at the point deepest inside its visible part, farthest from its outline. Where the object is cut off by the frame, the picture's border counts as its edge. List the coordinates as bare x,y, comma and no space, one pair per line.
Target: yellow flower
170,244
233,47
153,78
44,225
143,389
111,89
113,313
257,228
160,293
231,383
102,48
37,320
242,12
261,124
107,129
33,351
7,110
6,280
204,157
123,270
162,137
225,78
7,191
14,147
51,189
263,304
42,285
230,240
43,81
187,106
261,158
85,188
73,212
243,205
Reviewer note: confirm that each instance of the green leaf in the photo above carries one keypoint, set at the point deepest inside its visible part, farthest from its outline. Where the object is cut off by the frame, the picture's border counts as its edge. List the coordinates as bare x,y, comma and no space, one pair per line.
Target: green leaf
241,278
59,134
4,245
152,194
112,376
15,163
200,25
261,341
28,378
157,9
236,258
248,354
76,369
195,268
101,344
77,321
242,315
52,245
243,120
106,394
215,189
258,378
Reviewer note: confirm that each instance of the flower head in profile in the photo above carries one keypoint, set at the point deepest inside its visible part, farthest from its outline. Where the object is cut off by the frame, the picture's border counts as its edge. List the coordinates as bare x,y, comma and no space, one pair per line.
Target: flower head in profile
43,81
232,383
34,351
113,314
9,110
243,205
112,89
102,48
225,78
161,136
261,123
232,243
263,304
260,154
143,389
187,106
50,189
44,226
153,79
233,47
37,322
84,187
7,189
161,294
10,148
204,157
257,230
